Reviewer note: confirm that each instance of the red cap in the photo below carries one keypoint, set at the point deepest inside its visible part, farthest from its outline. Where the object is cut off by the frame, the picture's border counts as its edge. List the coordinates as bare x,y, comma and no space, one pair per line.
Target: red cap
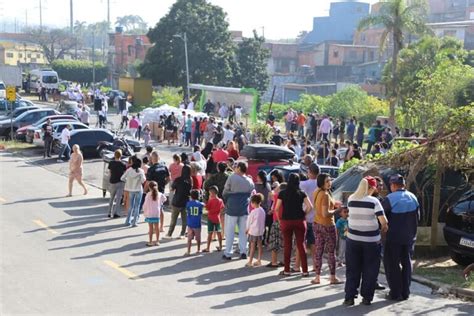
371,181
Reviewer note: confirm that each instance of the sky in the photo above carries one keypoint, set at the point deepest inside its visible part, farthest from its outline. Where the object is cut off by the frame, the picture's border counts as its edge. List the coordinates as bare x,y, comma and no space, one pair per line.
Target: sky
278,19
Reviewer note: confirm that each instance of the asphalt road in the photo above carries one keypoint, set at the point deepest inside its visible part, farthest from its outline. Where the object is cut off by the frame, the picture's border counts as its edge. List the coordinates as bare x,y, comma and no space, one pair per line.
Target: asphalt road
63,256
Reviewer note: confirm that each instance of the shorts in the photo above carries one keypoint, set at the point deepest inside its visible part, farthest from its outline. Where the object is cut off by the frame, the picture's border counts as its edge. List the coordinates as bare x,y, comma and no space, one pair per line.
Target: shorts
213,227
310,238
152,220
253,238
276,238
194,233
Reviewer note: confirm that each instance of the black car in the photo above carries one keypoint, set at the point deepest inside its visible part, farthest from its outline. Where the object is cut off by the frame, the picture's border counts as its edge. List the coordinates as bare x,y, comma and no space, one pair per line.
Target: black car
21,107
459,229
89,139
26,118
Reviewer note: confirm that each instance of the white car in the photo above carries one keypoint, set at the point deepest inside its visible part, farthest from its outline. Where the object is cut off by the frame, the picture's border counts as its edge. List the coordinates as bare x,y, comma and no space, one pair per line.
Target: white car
3,90
57,129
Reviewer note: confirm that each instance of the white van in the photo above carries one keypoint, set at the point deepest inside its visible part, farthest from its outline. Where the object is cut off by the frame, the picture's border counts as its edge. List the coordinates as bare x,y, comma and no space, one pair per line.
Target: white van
47,77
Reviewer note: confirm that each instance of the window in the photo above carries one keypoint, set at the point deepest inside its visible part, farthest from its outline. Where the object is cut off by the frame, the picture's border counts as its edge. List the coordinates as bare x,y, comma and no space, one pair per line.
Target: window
10,55
50,79
20,55
32,60
29,55
352,54
450,33
335,54
38,55
371,56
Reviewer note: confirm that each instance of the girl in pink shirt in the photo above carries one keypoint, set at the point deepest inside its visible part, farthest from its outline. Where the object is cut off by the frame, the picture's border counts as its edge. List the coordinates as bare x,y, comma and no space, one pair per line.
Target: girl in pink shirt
255,229
151,209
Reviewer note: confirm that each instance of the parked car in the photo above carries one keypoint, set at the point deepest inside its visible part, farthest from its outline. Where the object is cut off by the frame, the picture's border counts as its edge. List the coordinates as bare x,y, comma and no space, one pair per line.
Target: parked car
68,107
19,106
26,118
459,229
88,139
27,133
57,127
286,170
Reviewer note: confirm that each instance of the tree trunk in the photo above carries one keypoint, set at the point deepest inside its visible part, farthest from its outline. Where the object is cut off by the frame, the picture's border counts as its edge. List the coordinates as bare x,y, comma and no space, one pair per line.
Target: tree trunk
435,206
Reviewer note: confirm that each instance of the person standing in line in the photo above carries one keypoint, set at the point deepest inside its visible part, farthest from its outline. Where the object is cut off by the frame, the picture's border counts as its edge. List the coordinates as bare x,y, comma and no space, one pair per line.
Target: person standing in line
342,229
262,186
48,138
214,206
291,202
151,210
237,190
255,229
194,213
175,172
134,178
362,244
75,169
219,180
146,134
116,168
159,173
65,149
182,189
402,209
308,187
325,228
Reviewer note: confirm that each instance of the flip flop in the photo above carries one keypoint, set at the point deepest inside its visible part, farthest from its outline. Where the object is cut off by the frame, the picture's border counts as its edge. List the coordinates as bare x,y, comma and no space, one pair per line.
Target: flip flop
336,282
205,250
284,274
149,244
315,282
270,265
292,270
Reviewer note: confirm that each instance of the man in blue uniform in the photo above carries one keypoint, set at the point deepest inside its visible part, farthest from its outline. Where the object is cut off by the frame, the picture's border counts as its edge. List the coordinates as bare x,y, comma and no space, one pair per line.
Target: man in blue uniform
402,211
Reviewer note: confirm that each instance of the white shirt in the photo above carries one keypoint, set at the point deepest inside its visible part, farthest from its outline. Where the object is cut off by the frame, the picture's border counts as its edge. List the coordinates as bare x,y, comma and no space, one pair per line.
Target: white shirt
228,135
308,187
191,105
65,135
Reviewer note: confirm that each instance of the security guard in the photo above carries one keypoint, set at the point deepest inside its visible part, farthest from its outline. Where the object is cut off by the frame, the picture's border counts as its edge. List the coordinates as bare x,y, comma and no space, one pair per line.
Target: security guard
402,210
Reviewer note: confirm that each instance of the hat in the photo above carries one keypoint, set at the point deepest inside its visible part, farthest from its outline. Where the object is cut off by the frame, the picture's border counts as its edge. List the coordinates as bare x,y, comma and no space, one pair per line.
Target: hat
371,181
397,179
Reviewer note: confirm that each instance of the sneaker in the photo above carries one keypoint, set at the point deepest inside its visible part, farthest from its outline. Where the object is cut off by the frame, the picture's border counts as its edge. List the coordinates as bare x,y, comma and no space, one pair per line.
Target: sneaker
243,256
379,286
116,216
366,302
224,257
348,302
391,298
167,237
59,160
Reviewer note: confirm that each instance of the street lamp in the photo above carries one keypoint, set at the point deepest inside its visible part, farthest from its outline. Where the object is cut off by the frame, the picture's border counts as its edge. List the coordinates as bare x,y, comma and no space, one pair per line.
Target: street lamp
185,40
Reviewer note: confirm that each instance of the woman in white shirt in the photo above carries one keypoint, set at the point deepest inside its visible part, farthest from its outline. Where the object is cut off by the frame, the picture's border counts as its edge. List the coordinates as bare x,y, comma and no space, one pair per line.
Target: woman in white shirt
134,178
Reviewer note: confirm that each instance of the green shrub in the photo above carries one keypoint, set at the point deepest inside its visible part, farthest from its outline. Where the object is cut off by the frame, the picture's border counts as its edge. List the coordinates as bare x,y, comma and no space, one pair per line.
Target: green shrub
167,95
79,70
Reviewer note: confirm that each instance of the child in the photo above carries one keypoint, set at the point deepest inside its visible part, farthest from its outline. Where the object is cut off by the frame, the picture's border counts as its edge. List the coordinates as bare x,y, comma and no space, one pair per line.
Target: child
342,228
276,238
147,134
214,207
151,209
256,228
194,213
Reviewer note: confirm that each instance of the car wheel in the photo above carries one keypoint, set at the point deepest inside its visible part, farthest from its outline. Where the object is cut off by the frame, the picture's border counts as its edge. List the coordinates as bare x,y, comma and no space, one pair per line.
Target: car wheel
460,259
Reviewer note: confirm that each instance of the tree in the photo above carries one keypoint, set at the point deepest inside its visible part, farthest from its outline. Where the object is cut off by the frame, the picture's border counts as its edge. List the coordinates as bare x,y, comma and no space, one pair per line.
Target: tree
55,43
398,19
79,70
133,24
252,59
210,47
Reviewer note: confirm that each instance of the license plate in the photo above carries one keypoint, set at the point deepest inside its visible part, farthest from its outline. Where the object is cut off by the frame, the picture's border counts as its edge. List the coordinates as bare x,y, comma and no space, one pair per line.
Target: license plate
466,242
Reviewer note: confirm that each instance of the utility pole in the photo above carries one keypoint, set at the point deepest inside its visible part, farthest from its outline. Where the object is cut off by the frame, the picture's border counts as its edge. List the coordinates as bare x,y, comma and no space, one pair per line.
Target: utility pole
41,16
93,58
108,14
185,40
71,17
26,18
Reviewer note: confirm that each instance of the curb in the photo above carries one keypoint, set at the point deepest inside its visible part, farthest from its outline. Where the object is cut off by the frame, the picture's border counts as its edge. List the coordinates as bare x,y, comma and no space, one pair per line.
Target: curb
443,288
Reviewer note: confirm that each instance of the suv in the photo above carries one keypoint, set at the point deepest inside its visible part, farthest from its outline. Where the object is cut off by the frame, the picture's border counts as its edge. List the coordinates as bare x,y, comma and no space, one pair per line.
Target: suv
459,229
27,118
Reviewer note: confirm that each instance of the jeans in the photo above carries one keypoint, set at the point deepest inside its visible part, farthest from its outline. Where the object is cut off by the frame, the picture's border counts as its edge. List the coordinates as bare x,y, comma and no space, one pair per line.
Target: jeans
288,228
116,192
134,209
362,262
66,151
300,131
398,278
341,250
174,218
230,222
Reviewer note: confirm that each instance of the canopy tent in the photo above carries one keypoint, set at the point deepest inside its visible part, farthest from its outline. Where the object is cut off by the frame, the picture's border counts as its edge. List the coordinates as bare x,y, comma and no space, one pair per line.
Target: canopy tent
247,98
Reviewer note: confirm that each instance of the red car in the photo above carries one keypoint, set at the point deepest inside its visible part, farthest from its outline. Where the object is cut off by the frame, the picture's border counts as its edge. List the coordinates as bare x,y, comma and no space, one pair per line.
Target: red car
26,133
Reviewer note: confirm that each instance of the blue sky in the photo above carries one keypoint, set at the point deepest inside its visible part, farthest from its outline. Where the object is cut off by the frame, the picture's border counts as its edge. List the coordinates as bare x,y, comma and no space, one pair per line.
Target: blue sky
280,18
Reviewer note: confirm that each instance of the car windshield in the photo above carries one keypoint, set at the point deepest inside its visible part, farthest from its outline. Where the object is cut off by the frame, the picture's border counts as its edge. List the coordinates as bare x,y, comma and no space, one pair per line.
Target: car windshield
50,79
465,206
2,86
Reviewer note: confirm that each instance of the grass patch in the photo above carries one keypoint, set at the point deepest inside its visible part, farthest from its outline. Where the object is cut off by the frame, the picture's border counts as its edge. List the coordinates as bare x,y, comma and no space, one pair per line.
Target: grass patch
444,271
15,146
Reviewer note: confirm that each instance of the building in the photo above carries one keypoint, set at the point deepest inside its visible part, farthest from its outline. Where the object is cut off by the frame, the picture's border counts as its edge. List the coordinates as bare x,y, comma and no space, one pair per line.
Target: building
341,23
17,49
124,51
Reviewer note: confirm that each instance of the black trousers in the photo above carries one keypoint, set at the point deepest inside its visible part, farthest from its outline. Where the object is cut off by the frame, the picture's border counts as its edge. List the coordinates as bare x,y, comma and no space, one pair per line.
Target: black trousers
398,278
48,142
362,262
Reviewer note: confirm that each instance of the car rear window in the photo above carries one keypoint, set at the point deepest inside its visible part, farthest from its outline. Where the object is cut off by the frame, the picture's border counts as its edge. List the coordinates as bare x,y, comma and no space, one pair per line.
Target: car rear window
2,86
464,207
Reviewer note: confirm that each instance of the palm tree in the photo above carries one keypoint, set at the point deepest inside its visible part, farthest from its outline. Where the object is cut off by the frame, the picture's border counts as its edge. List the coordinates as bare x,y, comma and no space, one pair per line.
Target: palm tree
398,18
123,21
